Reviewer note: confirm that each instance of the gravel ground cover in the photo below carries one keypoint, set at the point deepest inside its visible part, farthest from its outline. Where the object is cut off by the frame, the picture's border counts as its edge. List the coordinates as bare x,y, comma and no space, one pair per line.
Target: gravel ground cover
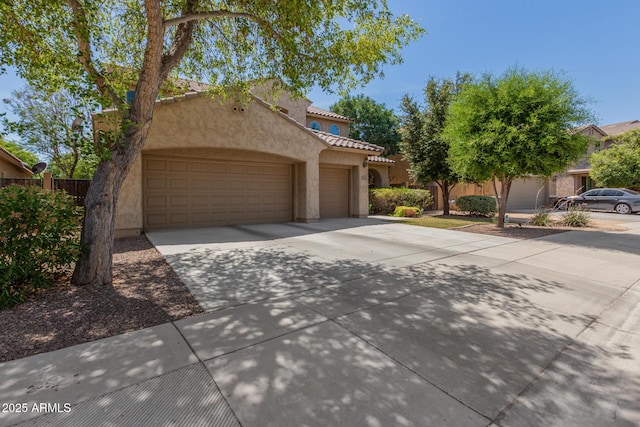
145,292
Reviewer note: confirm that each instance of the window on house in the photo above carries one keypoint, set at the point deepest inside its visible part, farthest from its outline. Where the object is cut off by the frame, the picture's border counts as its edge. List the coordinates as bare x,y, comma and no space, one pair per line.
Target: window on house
315,125
334,129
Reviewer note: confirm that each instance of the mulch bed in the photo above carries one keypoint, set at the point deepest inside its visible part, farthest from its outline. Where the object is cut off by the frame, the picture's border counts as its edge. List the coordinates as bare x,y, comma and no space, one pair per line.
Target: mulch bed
145,292
513,231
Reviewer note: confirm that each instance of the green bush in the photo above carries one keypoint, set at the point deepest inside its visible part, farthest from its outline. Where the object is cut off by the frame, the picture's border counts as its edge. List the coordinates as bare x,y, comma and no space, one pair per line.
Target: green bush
385,200
477,205
407,211
40,237
575,217
541,219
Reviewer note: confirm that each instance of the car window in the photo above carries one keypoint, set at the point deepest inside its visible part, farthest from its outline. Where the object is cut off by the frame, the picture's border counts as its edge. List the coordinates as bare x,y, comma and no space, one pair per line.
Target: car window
592,193
619,193
611,193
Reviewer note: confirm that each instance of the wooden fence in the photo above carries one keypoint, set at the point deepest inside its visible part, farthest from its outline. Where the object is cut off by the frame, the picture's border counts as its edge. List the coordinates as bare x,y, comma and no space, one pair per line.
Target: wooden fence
24,182
75,187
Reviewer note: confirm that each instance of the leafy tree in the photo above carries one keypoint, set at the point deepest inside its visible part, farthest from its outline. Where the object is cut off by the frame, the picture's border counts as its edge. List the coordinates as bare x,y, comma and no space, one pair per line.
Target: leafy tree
372,122
103,48
55,125
422,142
619,165
27,157
515,125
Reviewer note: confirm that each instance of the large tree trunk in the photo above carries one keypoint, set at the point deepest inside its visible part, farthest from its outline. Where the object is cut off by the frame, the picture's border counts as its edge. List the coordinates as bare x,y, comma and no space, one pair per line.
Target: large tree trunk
501,198
94,266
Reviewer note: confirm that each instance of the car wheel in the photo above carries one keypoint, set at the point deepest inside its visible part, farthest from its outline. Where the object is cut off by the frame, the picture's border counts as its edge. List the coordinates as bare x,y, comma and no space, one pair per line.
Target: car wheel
623,208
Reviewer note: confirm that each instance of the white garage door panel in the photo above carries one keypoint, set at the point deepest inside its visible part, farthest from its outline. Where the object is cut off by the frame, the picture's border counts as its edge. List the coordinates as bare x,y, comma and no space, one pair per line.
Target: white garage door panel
196,193
334,193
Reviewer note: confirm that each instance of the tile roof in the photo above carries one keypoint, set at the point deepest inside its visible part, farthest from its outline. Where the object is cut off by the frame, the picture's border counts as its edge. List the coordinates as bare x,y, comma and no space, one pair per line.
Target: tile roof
325,113
344,142
378,159
622,127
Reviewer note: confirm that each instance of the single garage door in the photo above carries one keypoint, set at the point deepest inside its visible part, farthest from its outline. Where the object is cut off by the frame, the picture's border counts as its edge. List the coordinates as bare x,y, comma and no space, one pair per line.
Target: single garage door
523,194
180,192
334,192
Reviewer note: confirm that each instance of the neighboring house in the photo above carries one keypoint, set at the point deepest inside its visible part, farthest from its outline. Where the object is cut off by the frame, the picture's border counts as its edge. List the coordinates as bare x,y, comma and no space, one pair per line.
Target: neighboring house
576,179
207,163
533,192
11,166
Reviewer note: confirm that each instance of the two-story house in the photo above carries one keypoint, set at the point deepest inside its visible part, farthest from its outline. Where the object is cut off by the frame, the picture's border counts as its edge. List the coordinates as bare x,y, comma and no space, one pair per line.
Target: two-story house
208,163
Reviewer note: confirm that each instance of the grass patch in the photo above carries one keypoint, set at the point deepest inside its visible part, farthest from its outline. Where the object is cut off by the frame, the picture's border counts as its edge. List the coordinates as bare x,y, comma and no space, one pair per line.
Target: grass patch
448,221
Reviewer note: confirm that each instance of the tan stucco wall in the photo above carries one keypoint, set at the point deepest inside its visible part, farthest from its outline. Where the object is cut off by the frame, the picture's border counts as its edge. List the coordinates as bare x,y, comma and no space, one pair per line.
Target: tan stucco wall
204,127
9,170
359,191
326,122
383,171
296,108
399,172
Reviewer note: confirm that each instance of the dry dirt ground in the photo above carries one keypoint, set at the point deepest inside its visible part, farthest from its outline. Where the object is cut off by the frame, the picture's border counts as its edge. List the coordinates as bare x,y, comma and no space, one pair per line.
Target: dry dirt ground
519,228
145,292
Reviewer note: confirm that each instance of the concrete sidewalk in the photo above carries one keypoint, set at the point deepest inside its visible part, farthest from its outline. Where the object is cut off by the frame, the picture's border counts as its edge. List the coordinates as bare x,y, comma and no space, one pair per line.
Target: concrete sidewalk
364,322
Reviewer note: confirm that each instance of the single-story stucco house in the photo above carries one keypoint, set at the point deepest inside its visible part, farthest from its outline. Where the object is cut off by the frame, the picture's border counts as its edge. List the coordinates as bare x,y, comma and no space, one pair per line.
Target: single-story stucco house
208,163
11,166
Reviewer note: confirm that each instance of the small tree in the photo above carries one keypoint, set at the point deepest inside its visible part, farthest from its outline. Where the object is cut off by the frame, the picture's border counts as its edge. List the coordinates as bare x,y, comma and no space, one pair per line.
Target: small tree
515,125
372,122
55,125
618,166
422,142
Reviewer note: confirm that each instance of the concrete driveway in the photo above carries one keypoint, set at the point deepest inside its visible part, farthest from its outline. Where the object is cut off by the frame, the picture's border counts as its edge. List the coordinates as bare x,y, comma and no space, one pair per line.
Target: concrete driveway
366,322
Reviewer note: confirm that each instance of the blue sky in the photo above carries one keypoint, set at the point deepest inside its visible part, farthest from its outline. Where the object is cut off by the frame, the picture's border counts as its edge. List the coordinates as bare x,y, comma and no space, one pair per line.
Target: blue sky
594,42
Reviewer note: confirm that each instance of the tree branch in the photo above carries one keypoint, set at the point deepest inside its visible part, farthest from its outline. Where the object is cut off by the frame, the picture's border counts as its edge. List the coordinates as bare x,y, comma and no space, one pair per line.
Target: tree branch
180,44
81,31
191,17
206,15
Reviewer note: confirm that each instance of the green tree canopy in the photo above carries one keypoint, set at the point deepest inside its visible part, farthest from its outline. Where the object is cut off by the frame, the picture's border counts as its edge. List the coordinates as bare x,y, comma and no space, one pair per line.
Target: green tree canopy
372,122
58,126
103,48
515,125
422,142
619,165
26,156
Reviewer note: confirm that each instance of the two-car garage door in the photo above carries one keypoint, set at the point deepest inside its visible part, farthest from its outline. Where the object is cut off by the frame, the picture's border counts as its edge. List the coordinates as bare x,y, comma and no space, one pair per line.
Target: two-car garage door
183,192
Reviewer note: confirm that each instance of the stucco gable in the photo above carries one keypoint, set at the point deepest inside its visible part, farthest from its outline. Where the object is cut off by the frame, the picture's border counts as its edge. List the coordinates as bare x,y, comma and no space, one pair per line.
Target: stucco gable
196,121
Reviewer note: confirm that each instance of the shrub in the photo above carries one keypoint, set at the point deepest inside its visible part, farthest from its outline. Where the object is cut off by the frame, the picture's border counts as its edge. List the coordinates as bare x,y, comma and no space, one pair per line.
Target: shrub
575,217
407,211
541,219
385,200
39,234
477,205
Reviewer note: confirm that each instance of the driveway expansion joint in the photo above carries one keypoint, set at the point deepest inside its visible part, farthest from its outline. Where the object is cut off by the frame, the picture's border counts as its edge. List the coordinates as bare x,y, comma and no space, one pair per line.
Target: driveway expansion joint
411,370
